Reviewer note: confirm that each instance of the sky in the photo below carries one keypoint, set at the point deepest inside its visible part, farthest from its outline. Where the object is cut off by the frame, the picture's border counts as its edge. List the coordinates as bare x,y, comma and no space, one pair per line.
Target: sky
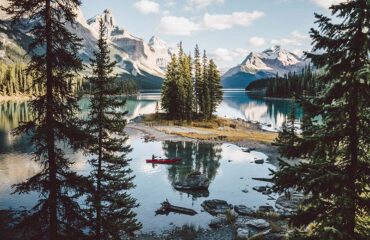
227,29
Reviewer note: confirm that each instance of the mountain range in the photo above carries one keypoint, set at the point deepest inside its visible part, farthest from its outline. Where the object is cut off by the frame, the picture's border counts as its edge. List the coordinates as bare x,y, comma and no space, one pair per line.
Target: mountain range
145,62
268,63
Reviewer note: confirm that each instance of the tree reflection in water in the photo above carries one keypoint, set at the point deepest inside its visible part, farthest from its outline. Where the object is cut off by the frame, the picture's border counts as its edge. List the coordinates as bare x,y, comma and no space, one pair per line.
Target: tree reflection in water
196,156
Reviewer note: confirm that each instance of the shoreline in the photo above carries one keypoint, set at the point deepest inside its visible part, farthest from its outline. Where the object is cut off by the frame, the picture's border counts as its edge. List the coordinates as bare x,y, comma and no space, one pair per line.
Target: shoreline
15,98
161,132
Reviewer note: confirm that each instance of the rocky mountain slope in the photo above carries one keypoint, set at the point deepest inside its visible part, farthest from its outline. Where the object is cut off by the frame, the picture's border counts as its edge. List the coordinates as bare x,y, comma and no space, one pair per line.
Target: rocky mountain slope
261,65
143,62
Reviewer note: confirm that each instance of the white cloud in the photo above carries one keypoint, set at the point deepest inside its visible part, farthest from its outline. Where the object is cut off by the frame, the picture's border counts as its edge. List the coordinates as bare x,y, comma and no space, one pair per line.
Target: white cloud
257,41
173,25
226,21
147,6
202,3
179,26
295,39
327,3
227,55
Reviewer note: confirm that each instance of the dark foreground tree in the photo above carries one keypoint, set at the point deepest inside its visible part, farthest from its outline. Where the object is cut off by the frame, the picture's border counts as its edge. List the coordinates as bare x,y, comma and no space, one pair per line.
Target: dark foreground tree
110,205
336,176
54,63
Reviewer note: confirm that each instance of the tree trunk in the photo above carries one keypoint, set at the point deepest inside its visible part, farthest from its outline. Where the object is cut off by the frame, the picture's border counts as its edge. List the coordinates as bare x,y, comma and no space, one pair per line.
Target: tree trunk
98,181
50,128
352,169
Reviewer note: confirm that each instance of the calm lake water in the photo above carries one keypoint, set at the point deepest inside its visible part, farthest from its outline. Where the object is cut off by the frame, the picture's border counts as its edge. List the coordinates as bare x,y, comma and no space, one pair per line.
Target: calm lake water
228,167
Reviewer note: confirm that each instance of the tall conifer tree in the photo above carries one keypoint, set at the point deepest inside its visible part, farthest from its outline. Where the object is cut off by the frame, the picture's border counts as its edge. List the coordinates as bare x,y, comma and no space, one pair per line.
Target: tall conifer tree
111,204
336,176
215,87
54,62
197,78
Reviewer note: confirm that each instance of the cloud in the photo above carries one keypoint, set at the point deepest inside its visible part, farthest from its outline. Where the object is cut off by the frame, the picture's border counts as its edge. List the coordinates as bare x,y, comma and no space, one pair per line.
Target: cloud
227,55
226,21
147,6
202,3
179,26
257,41
295,39
174,25
327,3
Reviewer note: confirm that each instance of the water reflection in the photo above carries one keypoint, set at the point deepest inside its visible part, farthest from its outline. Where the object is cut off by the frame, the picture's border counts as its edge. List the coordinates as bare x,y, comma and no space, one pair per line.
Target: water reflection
250,106
12,113
197,156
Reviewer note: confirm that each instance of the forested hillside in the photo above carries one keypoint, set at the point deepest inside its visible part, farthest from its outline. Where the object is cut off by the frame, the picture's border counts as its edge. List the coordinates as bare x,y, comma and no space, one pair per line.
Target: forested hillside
15,81
288,85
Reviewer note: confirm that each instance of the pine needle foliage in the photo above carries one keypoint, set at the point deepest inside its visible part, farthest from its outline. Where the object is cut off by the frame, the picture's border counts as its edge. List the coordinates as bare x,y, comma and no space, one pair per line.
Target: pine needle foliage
54,63
336,176
110,204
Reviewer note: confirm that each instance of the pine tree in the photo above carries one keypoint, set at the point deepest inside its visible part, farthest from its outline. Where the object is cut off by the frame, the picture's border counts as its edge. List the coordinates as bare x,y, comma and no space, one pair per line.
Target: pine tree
111,204
206,98
288,140
54,61
335,178
215,87
170,93
197,79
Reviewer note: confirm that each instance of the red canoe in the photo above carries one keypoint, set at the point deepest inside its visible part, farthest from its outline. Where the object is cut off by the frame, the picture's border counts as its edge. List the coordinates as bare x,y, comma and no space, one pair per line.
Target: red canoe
164,161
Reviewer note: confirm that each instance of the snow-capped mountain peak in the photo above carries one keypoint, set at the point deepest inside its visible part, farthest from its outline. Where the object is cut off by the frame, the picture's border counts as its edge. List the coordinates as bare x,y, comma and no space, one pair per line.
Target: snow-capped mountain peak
274,60
157,43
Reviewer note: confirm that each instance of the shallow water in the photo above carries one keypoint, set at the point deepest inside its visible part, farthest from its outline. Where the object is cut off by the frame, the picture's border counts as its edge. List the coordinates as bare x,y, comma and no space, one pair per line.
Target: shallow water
229,168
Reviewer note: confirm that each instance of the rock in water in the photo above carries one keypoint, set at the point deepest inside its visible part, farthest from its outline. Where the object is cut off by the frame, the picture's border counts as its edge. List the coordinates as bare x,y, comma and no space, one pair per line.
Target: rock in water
266,209
216,206
193,181
218,222
259,161
258,223
242,233
244,210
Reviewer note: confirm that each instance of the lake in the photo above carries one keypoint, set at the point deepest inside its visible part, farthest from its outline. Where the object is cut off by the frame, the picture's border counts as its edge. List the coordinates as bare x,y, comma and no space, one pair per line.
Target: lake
229,168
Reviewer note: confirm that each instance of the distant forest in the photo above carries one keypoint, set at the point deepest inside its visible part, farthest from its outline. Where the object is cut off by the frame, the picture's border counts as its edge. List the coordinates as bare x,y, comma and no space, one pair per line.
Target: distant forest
289,85
15,81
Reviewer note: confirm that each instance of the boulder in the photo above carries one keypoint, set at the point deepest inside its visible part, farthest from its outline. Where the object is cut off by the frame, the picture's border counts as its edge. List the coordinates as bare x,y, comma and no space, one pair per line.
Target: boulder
216,206
259,161
244,210
243,233
260,189
218,222
266,208
258,224
289,202
193,181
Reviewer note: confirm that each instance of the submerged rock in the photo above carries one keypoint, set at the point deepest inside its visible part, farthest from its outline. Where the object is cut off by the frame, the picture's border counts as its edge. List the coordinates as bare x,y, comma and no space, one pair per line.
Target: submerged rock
216,206
193,181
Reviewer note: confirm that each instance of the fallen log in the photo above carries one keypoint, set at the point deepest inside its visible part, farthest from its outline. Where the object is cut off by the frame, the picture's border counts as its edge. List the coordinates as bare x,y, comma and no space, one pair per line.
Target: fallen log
167,207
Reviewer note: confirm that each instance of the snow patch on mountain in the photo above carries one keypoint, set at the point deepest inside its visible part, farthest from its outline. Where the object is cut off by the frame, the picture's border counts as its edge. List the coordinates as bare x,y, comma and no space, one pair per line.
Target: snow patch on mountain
270,62
274,60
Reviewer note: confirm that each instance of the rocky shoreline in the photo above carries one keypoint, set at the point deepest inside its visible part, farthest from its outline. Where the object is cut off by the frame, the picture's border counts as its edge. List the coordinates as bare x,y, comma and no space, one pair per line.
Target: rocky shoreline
229,221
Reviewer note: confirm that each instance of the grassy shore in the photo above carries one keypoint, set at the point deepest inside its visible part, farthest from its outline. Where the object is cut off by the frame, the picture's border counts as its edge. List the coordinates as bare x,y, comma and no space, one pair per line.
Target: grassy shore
230,130
15,98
